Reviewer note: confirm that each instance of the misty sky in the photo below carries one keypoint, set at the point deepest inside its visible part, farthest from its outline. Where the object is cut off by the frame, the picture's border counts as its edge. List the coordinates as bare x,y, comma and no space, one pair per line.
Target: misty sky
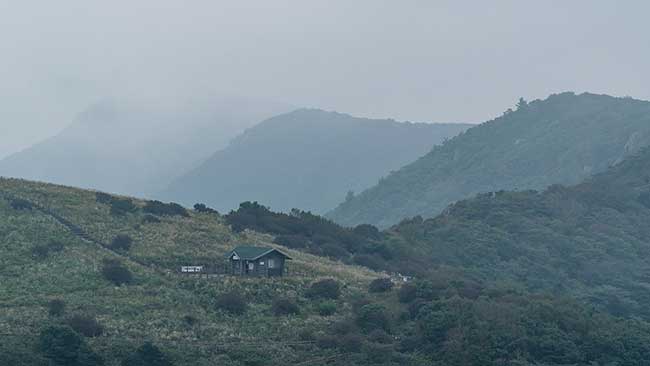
409,60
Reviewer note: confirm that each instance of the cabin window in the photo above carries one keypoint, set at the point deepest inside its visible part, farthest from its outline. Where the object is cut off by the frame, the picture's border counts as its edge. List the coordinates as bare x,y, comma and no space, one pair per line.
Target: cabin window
271,263
251,266
261,263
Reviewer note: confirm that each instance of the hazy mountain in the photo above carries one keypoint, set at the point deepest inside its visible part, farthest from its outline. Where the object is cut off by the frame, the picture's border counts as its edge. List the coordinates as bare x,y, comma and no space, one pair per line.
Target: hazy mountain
306,159
562,139
137,148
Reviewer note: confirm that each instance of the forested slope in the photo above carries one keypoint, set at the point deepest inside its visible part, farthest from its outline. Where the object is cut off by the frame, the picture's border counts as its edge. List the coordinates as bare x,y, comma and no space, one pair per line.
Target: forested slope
560,140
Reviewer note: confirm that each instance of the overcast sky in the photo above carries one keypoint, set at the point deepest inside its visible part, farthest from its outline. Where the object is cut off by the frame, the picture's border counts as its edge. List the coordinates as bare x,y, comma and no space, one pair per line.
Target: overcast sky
408,59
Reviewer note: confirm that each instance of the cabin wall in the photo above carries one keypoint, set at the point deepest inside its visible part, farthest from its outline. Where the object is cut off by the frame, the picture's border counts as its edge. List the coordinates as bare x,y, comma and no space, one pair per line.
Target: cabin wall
261,267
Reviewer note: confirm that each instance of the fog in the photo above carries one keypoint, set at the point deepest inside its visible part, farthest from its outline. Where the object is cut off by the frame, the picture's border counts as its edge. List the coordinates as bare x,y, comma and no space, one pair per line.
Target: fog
409,60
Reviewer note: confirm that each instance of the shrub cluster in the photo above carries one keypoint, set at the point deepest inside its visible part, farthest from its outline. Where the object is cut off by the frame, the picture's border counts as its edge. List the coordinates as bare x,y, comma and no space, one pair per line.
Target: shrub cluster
285,306
86,325
381,285
56,307
202,208
62,346
115,272
147,355
327,308
103,198
407,293
150,219
20,204
121,243
232,302
165,209
120,207
42,251
324,289
373,317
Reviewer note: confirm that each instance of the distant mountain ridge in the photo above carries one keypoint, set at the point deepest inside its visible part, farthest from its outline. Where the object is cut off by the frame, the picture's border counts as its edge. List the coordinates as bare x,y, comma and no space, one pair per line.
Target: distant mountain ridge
306,159
137,148
563,139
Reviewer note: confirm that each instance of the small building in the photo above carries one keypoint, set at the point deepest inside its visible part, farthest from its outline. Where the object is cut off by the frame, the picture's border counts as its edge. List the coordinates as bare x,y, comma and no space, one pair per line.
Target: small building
256,261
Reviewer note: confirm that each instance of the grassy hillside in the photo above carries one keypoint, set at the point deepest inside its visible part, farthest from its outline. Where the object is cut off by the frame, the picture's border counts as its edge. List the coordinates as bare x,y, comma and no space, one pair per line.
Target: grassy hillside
153,307
563,139
55,242
307,159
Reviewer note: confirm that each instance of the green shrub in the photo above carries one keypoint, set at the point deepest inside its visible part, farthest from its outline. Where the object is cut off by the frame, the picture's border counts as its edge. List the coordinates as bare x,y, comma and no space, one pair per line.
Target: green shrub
21,204
326,342
372,317
380,354
324,289
426,290
370,261
190,320
147,355
86,325
434,323
367,231
42,251
200,207
381,285
120,207
351,343
104,198
150,219
407,293
380,336
327,308
343,327
165,209
56,307
285,306
232,302
62,346
121,243
115,272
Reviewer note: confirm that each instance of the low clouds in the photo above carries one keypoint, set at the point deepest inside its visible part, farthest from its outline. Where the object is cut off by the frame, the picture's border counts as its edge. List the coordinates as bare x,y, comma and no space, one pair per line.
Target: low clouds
413,60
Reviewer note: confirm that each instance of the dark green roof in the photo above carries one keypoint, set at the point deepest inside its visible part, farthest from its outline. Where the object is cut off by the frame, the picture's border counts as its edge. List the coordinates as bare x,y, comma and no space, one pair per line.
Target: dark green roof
252,253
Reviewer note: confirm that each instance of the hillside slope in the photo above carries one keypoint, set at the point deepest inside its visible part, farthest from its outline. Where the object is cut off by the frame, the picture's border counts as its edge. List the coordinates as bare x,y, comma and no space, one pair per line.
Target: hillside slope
111,141
590,240
54,246
306,159
157,305
563,139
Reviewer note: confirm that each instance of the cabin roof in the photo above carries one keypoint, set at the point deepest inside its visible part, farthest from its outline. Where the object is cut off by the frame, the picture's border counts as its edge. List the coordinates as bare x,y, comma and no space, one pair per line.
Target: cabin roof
253,253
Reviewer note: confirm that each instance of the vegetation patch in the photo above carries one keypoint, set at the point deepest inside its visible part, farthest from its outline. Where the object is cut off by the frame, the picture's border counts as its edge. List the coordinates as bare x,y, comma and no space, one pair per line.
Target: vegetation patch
284,306
324,289
232,302
380,285
42,251
114,271
165,209
121,242
86,325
